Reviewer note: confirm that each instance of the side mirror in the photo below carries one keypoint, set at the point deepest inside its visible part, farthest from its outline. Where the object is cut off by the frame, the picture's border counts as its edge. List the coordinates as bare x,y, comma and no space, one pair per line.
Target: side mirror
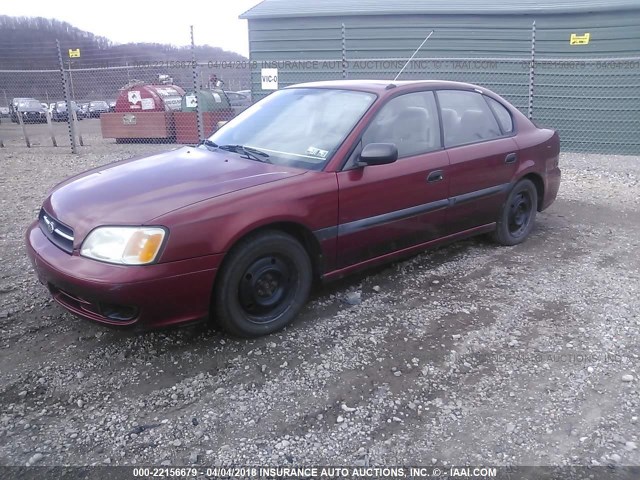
378,154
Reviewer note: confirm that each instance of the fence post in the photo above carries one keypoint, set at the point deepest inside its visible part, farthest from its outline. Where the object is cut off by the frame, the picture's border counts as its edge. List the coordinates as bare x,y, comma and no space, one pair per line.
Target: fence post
75,122
67,98
344,52
195,89
532,69
53,137
24,129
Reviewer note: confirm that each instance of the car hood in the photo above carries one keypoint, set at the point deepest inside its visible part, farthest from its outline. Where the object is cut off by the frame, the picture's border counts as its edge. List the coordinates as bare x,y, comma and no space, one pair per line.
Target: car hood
136,191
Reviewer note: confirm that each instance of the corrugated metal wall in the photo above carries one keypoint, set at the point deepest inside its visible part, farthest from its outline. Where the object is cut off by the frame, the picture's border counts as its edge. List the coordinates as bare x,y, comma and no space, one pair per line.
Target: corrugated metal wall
594,105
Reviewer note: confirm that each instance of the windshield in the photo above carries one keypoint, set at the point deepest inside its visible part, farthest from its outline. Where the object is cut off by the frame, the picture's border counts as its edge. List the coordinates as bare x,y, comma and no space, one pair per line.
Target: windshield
30,104
299,127
63,105
99,104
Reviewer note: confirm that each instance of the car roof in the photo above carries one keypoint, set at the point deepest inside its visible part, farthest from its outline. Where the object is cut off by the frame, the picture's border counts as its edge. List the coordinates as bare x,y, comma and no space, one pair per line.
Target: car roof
380,86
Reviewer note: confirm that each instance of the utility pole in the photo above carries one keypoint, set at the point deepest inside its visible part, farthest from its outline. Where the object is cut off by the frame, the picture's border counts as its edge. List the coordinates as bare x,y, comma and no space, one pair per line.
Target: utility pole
73,94
65,92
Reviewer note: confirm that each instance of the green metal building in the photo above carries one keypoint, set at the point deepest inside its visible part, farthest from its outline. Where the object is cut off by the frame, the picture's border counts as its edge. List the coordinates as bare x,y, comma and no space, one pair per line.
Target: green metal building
584,79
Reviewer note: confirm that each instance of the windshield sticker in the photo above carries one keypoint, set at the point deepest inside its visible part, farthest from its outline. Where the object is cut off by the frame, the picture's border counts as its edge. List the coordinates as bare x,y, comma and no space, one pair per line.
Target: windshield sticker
317,152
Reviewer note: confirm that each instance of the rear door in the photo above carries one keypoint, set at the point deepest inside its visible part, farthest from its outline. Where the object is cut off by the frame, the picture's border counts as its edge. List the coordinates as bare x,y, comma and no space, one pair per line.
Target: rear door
385,208
482,153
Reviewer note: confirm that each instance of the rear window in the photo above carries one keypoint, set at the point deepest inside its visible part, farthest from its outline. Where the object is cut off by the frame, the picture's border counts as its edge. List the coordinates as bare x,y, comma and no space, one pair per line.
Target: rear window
466,118
502,114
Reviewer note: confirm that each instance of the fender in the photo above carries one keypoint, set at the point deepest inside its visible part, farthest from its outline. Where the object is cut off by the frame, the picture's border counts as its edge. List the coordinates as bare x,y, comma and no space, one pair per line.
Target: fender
230,217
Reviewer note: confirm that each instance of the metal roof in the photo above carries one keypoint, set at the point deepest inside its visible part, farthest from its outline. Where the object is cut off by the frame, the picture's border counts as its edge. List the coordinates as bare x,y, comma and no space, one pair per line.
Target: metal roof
315,8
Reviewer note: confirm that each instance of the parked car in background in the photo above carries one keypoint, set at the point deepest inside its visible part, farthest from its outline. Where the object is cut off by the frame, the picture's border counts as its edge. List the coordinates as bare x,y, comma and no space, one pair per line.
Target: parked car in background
246,93
315,181
84,108
29,109
237,99
60,112
97,107
13,107
5,111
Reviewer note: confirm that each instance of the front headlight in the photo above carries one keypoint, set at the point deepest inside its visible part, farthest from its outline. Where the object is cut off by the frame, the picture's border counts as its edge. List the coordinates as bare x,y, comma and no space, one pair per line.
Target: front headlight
124,245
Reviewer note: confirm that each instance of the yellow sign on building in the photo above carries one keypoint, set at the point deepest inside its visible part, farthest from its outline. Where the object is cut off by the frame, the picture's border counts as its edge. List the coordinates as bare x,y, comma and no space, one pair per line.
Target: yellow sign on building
576,39
74,53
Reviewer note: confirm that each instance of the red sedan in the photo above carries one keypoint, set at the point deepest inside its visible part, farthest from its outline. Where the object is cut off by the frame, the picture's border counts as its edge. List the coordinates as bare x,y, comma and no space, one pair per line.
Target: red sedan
313,182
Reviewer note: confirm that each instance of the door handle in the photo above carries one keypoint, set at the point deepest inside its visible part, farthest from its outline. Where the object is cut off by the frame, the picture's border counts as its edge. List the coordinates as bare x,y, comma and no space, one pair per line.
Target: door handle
435,176
511,158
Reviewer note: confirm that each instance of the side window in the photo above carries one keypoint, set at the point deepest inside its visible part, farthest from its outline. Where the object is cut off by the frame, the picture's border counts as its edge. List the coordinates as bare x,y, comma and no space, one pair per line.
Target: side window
503,115
409,121
466,118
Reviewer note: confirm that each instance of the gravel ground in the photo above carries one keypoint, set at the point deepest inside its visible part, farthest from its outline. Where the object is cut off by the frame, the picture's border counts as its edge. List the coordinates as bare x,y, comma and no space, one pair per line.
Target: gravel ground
469,354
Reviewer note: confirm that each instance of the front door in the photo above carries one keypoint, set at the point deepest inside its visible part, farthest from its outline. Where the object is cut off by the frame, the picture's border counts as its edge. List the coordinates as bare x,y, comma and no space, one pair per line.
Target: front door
384,208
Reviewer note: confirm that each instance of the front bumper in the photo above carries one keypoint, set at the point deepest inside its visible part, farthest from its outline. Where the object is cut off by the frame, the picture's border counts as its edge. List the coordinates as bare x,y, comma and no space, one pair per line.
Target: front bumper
151,296
34,117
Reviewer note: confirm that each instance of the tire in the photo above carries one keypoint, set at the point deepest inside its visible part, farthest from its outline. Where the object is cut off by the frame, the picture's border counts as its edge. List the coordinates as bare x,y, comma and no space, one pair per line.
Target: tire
263,284
518,214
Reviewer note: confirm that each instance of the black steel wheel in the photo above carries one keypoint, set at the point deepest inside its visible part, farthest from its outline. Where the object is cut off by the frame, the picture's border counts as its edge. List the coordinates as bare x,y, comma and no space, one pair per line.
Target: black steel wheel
263,284
518,214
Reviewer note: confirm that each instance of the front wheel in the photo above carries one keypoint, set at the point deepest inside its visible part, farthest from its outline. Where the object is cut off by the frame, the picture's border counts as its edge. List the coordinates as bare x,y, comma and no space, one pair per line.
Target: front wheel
263,284
518,214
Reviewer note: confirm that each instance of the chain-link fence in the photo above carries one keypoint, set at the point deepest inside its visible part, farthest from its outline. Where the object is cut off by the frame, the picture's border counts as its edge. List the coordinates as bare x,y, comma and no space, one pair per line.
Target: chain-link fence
594,103
144,100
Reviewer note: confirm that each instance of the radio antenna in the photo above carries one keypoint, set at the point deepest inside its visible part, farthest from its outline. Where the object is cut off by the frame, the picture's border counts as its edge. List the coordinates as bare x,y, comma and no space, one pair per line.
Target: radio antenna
414,54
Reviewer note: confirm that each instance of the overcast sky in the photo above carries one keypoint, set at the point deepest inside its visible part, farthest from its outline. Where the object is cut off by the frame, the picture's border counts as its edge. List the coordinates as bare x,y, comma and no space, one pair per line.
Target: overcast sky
215,22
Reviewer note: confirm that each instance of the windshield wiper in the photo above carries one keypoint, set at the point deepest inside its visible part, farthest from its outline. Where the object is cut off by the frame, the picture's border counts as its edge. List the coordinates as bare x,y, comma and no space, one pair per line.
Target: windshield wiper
208,143
250,152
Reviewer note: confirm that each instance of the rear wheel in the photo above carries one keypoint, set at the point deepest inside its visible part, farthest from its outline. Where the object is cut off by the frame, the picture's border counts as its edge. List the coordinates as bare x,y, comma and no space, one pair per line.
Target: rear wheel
518,214
263,284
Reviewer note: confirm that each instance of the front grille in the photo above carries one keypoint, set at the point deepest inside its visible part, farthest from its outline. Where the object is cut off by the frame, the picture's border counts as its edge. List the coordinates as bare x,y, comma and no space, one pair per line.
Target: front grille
59,234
